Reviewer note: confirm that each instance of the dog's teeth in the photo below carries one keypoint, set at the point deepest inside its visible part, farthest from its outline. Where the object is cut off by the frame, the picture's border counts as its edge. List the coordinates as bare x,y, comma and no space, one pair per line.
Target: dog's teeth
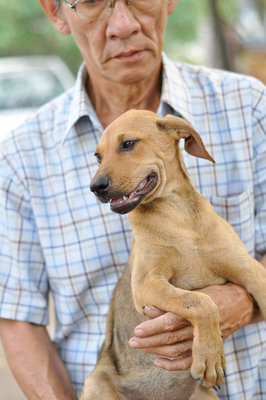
124,198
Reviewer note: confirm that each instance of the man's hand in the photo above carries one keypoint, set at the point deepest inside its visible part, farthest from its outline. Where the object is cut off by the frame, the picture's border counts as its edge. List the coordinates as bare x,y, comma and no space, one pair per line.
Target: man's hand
168,335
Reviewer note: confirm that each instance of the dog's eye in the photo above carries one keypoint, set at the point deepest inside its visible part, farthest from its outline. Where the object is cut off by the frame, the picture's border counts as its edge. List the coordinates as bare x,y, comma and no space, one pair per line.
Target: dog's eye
98,157
128,145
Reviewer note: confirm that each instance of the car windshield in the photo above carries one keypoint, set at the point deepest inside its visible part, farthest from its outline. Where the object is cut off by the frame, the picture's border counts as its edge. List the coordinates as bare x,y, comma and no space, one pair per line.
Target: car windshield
28,89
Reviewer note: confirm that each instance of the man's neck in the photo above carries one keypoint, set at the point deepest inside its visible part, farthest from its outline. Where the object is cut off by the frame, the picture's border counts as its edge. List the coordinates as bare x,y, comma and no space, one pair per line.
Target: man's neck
111,99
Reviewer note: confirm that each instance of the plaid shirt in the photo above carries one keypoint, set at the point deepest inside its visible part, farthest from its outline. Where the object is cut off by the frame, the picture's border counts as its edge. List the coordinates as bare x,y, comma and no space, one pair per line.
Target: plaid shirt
55,236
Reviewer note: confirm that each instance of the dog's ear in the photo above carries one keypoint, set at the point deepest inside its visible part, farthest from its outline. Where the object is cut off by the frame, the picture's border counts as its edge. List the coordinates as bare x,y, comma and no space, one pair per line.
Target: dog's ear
180,128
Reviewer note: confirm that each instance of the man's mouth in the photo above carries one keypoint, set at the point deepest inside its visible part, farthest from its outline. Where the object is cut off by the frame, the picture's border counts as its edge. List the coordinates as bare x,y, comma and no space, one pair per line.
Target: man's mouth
129,55
127,203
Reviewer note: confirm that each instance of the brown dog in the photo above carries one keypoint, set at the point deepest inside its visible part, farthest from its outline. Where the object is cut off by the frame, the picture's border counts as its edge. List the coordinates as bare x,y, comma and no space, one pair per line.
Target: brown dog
180,244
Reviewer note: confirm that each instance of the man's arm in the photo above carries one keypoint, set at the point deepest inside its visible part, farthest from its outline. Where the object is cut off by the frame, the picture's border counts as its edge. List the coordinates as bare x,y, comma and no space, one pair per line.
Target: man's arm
35,362
168,335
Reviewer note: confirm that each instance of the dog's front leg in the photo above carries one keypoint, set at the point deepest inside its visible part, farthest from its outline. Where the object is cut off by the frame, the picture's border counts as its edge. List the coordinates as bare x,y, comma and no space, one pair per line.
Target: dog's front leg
98,386
207,351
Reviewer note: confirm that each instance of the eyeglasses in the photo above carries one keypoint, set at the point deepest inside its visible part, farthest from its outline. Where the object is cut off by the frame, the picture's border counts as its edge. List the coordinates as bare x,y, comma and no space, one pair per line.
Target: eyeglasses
92,10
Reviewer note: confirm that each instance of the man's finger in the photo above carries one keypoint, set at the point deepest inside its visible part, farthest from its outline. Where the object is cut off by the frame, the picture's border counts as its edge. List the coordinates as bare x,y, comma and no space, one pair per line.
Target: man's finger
164,323
174,351
162,339
152,312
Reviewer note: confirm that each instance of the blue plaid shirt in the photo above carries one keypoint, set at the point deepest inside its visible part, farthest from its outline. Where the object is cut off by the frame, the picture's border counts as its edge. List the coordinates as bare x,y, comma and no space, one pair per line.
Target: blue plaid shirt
55,237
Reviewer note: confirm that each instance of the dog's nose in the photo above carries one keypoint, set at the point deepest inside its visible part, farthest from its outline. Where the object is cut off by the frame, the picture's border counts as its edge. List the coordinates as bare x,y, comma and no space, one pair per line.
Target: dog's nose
100,185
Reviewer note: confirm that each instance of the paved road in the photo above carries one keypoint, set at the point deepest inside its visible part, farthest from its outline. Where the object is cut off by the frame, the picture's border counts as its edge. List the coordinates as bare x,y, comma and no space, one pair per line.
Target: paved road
9,389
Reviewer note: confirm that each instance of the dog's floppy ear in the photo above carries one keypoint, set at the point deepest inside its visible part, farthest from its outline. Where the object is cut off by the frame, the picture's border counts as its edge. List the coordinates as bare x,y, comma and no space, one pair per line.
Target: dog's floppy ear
180,128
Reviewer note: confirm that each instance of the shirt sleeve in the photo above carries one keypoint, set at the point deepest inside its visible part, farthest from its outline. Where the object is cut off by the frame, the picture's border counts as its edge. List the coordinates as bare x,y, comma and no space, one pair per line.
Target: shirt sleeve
259,142
23,277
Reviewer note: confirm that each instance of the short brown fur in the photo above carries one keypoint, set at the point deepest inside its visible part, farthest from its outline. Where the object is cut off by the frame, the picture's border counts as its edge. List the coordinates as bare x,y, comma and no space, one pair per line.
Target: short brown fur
180,245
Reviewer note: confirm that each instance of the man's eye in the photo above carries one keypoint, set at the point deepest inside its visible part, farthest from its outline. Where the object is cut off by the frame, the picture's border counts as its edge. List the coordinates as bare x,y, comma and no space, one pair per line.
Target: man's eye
128,145
98,157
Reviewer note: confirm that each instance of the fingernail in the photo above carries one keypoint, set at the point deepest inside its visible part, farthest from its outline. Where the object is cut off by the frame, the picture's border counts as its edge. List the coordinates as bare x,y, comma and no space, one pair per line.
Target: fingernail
157,362
139,331
151,308
133,343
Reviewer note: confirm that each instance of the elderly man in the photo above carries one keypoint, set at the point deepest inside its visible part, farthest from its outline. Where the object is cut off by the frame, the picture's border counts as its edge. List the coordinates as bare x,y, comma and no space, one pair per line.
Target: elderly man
54,236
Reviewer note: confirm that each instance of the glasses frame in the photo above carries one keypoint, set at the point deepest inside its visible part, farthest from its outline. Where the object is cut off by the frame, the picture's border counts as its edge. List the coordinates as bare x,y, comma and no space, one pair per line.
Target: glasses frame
72,6
111,4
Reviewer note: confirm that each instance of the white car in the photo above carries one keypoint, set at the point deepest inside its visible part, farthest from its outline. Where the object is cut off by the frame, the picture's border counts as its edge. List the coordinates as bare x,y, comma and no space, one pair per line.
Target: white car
28,82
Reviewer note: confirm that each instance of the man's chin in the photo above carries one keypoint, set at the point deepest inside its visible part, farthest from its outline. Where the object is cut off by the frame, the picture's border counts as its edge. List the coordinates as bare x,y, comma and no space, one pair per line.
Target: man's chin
133,71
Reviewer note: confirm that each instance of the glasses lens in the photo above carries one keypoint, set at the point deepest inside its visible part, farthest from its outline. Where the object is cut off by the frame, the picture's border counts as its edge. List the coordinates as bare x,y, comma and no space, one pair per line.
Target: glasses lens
92,10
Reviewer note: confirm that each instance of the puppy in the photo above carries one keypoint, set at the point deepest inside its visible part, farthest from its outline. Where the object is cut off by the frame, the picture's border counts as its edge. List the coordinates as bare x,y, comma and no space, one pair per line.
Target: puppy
180,245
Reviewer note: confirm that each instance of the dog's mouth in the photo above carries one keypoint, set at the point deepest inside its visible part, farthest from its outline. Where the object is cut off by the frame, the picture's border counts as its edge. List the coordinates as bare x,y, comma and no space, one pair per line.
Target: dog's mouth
127,203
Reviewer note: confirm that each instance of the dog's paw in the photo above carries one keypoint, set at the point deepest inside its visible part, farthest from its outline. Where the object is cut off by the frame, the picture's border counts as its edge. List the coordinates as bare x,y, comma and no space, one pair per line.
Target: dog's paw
208,362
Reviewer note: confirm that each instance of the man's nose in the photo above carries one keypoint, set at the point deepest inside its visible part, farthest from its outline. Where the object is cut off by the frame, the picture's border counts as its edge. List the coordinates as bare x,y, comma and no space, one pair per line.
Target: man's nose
122,22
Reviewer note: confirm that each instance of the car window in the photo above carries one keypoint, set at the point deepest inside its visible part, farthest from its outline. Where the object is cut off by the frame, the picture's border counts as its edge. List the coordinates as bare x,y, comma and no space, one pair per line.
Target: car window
28,89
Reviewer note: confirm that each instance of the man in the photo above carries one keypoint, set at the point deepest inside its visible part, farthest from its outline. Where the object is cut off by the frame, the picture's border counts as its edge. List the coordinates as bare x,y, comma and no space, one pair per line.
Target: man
56,238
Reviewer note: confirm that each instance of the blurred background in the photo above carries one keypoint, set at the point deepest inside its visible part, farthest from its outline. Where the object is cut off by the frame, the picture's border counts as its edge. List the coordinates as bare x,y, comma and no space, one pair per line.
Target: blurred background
227,34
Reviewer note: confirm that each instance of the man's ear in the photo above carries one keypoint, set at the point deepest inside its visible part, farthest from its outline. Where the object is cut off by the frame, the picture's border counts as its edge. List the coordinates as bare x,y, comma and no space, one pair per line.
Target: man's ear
171,6
55,15
179,128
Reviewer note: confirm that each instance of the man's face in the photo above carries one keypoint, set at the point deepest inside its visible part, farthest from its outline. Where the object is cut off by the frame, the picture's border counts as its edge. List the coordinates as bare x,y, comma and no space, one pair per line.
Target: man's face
126,46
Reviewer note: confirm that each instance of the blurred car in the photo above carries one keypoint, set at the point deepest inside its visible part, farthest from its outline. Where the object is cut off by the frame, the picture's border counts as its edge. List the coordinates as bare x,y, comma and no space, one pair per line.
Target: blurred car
28,82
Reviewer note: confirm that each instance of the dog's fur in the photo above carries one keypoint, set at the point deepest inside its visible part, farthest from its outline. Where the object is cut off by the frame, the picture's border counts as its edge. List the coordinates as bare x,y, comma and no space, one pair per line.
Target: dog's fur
180,245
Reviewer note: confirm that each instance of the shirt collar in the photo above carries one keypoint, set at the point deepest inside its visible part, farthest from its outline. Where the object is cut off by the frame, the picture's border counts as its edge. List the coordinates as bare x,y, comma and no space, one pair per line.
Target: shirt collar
80,105
175,93
175,97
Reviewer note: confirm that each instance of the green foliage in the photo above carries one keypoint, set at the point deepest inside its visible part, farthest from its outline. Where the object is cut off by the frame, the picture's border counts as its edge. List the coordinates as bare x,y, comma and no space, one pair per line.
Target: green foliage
228,10
182,27
25,30
183,23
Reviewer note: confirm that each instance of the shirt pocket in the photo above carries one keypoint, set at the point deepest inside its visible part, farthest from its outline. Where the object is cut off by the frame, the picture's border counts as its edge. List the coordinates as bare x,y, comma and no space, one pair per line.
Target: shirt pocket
239,212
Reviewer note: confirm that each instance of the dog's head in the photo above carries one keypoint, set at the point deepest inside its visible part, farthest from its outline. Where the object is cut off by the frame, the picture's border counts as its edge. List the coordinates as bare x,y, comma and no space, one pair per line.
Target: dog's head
136,156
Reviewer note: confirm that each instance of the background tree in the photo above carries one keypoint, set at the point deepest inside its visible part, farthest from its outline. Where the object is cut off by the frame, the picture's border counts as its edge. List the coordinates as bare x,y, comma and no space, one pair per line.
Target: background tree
24,29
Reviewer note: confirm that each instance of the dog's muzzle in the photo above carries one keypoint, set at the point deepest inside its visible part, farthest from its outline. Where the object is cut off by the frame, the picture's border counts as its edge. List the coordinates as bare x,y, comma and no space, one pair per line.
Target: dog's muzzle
121,202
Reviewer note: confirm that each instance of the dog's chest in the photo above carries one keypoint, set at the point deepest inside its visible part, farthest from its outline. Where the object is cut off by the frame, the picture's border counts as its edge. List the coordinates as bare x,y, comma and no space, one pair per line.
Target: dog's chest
189,268
192,280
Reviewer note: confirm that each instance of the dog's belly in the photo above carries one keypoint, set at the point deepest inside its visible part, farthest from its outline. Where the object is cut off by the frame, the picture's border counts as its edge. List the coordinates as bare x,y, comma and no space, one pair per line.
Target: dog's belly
160,385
